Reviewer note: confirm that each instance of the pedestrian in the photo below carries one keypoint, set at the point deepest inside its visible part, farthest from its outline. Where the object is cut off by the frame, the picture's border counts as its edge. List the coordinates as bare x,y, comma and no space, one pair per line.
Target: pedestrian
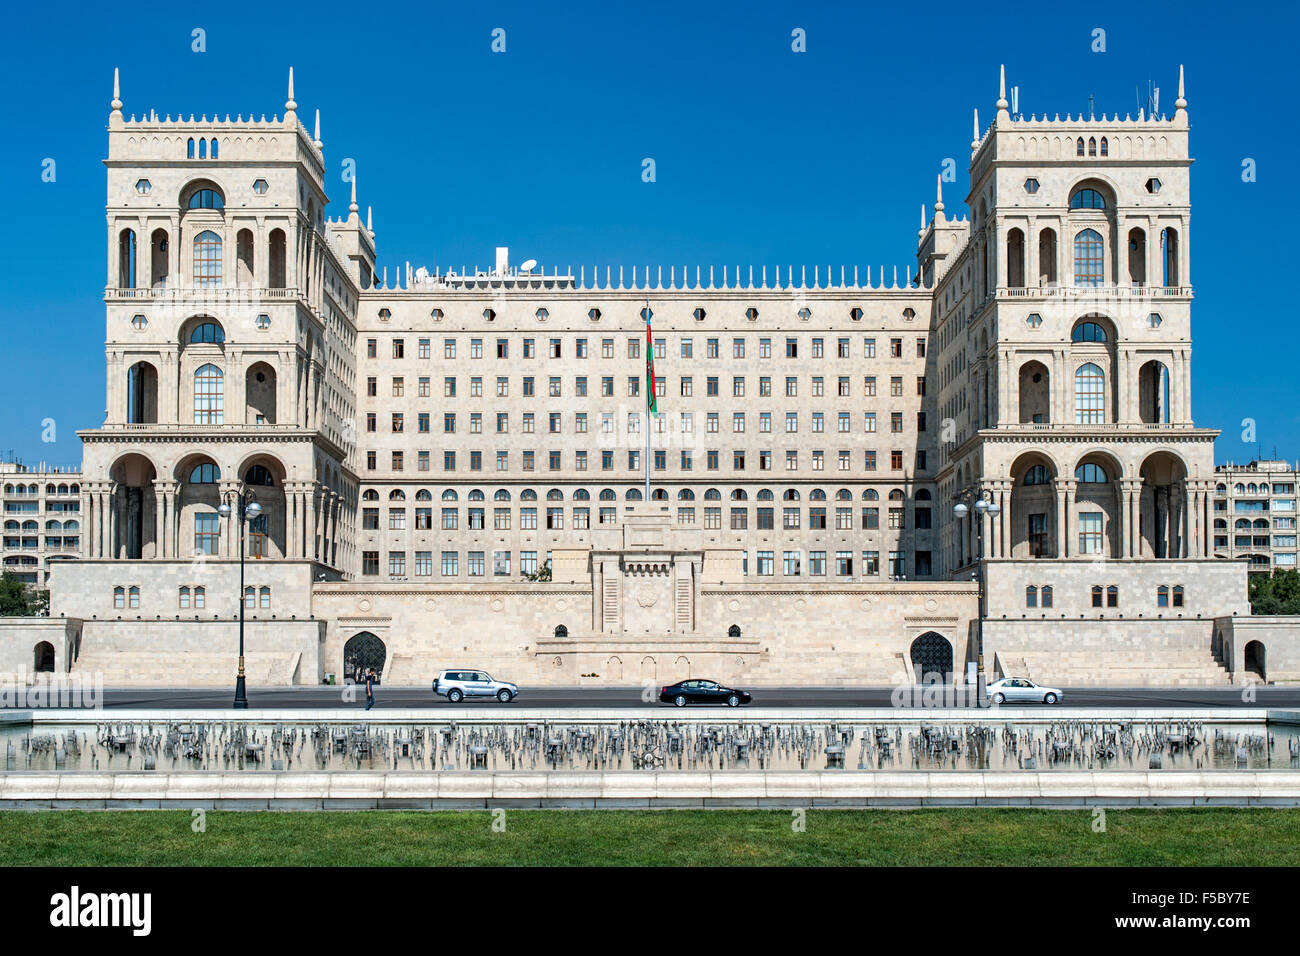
370,688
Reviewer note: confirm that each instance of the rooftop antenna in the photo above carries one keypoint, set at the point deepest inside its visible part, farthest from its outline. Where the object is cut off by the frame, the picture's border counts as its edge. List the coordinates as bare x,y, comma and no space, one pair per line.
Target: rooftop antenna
1091,112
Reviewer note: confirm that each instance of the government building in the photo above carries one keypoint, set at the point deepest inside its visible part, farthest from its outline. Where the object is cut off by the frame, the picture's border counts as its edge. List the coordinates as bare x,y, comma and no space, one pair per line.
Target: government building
452,467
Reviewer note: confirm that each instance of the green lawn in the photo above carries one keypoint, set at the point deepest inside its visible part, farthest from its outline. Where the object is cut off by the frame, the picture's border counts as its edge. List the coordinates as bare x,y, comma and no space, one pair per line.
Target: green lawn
1179,837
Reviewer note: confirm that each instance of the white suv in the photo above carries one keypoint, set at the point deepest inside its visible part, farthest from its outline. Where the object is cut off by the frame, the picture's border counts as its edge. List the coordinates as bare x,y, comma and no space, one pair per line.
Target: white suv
458,684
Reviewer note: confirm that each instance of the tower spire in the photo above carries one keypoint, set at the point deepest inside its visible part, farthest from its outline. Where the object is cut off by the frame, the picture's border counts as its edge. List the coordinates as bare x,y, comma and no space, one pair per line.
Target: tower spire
352,206
975,136
370,227
316,136
289,105
938,193
1002,91
1181,102
115,117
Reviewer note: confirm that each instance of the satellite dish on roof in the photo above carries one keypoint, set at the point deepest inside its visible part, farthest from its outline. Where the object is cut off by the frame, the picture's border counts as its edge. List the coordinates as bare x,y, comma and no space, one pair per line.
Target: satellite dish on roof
528,265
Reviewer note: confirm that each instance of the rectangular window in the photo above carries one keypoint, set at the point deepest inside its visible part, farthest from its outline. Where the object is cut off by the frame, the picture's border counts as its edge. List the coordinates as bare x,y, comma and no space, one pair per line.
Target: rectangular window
1090,529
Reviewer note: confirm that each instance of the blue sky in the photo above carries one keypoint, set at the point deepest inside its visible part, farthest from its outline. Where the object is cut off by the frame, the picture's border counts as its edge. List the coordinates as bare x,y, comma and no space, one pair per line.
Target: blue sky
762,155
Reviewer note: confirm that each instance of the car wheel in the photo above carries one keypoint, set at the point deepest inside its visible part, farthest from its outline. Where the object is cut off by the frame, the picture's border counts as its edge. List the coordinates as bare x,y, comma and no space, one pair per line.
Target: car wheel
455,696
999,699
503,696
1049,699
679,700
733,701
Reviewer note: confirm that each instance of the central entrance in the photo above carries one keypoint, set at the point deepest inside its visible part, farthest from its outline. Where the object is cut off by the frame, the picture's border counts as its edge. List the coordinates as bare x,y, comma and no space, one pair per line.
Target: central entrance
362,652
931,658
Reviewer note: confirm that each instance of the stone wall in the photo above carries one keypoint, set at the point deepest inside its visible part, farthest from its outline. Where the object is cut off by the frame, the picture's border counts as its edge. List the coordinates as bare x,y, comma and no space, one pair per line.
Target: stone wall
19,637
1277,654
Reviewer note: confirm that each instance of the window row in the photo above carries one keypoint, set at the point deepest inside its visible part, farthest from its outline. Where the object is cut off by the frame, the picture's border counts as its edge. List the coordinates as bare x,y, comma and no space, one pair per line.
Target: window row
581,423
714,348
530,387
528,460
818,519
476,564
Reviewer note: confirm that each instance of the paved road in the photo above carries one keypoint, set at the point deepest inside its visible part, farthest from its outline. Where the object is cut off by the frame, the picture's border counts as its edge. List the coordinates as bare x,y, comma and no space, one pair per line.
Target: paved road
607,697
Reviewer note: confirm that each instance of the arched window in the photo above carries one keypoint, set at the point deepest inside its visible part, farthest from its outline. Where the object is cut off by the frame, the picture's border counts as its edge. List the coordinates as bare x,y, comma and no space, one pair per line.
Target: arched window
208,333
1092,146
582,494
397,494
555,494
633,494
1178,595
264,592
1088,332
203,149
500,495
205,474
1031,596
1087,198
1090,473
733,631
1046,595
184,597
189,148
686,495
207,260
1078,147
423,495
713,494
1089,395
209,396
119,597
206,199
1105,147
259,475
213,153
871,494
606,494
370,495
1089,258
450,495
1037,475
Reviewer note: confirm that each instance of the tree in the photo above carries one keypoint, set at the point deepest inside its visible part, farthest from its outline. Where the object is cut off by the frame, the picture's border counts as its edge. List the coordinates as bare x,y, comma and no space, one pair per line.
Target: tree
17,599
541,574
1276,593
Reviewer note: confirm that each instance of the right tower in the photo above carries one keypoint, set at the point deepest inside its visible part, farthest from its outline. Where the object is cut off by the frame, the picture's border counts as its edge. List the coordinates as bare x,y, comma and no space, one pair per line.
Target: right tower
1062,327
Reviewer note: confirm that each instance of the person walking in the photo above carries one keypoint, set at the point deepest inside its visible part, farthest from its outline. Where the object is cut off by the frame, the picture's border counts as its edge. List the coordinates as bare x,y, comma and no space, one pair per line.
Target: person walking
370,688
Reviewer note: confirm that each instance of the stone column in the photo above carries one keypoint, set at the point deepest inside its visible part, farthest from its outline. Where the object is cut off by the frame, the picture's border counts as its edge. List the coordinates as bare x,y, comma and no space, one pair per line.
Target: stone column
309,546
1061,505
159,520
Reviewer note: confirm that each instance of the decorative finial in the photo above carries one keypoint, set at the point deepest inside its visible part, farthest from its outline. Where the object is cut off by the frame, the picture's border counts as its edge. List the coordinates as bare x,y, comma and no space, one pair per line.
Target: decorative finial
1181,102
1002,89
316,135
924,222
352,206
370,228
975,141
289,104
117,93
938,195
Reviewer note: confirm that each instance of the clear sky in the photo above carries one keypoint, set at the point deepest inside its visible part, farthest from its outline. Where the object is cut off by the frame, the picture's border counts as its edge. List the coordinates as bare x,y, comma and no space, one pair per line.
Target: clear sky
763,155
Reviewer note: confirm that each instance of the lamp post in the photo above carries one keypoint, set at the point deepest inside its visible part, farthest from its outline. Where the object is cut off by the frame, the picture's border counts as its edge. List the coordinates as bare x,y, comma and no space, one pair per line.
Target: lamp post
248,510
981,499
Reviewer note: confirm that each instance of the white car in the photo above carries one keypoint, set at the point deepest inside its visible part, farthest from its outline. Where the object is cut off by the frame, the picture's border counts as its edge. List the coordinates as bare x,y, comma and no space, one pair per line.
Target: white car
460,683
1021,689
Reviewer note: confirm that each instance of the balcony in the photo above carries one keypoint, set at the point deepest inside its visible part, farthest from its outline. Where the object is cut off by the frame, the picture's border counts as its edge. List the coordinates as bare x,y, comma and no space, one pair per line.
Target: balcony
199,296
1097,292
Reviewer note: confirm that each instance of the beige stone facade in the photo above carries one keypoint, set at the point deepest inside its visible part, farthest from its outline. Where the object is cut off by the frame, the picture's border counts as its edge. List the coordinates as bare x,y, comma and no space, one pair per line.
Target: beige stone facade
42,519
1255,514
453,464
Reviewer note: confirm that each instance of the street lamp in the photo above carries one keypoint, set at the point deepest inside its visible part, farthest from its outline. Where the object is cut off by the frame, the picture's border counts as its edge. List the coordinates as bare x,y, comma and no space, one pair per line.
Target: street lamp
982,501
249,510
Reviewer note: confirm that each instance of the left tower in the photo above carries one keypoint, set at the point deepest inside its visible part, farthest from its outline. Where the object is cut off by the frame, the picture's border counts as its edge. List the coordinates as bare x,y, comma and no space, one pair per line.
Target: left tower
230,305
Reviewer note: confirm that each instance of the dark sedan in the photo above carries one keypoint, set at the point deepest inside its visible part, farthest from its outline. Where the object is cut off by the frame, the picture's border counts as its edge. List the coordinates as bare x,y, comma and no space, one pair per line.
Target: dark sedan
703,692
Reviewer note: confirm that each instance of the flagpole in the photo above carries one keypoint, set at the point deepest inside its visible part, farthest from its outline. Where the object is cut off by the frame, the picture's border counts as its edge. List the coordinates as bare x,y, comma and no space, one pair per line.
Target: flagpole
648,402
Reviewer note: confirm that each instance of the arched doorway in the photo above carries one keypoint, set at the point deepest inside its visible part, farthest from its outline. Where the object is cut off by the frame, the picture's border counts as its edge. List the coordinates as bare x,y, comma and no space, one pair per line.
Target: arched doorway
931,656
1255,663
44,658
362,652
